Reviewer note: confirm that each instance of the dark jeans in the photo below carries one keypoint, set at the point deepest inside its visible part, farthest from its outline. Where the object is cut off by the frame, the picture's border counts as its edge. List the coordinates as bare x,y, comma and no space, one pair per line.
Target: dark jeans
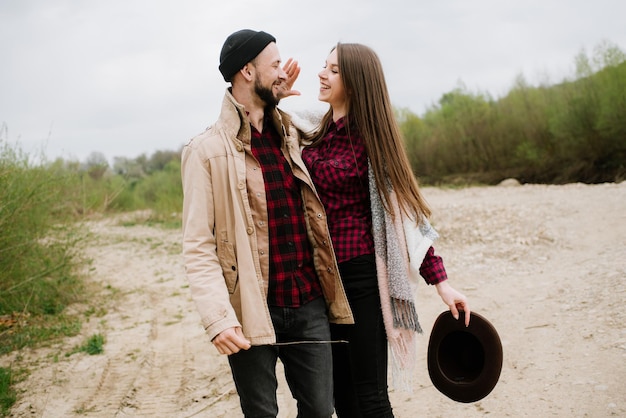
308,367
360,367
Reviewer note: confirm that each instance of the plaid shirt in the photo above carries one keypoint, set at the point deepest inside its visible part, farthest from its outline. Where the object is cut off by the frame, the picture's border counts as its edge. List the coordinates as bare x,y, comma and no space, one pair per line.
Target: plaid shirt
432,268
338,167
293,280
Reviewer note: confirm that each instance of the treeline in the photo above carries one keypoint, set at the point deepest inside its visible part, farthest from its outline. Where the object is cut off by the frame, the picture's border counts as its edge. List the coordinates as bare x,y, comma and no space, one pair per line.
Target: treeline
574,131
146,182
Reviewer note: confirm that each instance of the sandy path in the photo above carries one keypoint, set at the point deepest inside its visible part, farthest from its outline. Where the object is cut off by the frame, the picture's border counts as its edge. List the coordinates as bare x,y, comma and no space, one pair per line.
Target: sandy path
545,264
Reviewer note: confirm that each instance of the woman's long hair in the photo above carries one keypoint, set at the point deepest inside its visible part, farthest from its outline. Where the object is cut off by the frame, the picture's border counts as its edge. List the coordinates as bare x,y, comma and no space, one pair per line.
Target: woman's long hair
369,109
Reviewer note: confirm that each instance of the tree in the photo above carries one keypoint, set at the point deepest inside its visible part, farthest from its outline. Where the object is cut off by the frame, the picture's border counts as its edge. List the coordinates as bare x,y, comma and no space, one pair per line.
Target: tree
96,165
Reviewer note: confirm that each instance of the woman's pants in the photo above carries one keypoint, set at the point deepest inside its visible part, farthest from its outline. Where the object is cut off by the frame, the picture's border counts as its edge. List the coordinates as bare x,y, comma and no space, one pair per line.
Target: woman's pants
360,367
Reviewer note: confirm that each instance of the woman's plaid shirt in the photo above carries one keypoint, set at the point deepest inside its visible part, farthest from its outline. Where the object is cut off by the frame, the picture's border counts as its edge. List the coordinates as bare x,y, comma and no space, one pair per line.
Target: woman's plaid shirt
338,167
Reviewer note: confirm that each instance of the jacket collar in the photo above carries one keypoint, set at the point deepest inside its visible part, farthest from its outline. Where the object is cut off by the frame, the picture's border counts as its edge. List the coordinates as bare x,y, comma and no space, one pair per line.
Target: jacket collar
235,121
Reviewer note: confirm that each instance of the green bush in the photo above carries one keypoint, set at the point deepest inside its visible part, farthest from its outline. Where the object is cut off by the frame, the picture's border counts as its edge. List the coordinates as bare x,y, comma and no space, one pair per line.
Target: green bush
39,252
572,131
37,242
162,191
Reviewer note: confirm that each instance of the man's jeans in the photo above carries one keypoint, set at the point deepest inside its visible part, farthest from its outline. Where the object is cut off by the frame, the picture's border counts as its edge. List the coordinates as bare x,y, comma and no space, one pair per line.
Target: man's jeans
308,367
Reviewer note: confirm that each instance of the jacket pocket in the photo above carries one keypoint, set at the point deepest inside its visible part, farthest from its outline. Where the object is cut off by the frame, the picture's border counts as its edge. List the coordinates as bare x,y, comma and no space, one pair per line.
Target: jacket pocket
228,261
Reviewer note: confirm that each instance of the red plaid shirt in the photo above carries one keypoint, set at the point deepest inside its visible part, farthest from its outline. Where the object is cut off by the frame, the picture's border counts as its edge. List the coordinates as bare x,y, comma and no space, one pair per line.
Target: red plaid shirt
338,167
293,280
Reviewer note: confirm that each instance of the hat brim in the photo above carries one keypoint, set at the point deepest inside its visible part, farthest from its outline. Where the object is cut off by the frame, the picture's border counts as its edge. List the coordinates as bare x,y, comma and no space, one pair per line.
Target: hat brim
464,363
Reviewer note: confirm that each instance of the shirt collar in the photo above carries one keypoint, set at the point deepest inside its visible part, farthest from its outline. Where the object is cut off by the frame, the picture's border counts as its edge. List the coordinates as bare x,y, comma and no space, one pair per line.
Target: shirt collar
339,125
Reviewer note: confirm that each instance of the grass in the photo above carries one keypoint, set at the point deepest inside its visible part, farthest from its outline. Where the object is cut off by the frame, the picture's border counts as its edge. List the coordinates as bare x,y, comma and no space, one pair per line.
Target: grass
38,331
93,345
7,394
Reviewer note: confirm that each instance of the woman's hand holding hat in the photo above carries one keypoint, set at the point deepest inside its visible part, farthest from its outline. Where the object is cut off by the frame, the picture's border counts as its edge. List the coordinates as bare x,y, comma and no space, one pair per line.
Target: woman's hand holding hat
454,299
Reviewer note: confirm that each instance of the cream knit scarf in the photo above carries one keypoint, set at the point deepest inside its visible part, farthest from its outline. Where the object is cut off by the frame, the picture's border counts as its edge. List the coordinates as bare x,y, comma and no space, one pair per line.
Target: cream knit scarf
400,246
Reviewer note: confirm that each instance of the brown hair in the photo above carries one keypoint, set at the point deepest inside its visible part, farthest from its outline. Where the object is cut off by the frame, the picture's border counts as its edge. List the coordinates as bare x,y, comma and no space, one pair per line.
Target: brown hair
369,109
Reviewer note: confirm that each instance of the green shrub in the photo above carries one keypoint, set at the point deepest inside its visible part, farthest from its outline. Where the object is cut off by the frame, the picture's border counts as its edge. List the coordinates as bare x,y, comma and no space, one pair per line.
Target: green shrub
37,242
572,131
38,251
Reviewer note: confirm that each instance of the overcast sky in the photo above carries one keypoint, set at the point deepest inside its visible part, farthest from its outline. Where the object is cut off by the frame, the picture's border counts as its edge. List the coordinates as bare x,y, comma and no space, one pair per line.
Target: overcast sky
130,77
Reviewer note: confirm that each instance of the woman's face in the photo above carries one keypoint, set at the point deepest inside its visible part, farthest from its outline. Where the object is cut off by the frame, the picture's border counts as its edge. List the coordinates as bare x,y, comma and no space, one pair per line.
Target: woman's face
332,90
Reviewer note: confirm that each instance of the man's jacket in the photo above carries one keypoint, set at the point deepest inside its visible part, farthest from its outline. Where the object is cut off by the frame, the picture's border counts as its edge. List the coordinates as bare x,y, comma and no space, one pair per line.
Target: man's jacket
225,247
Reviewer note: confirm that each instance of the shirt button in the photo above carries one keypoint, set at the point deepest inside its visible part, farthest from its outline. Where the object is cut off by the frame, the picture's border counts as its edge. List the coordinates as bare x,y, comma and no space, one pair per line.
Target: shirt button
262,252
319,215
261,223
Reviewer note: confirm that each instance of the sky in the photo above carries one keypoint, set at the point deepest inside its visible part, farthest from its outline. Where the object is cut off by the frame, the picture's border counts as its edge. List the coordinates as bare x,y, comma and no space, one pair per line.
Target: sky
130,77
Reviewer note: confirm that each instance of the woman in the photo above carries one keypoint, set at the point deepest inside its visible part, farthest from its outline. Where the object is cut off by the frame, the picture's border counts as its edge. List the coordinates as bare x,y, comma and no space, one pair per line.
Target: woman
379,228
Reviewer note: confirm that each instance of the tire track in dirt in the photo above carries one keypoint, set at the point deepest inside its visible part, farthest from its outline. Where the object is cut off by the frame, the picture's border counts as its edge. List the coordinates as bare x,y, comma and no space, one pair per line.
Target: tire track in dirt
171,370
128,383
157,362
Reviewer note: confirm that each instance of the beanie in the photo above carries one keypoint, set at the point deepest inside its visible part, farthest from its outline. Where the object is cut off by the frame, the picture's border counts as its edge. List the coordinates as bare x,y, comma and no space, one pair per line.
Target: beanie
240,48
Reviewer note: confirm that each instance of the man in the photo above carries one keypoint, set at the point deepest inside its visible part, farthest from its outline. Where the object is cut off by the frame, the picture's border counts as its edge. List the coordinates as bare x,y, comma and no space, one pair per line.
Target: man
256,246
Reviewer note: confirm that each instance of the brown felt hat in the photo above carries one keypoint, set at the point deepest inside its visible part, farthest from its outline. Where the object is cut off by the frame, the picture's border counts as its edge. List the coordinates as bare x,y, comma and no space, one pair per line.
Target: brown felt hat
464,363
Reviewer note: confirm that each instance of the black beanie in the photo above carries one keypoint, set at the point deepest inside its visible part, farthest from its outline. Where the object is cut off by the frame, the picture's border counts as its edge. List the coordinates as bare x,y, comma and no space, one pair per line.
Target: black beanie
240,48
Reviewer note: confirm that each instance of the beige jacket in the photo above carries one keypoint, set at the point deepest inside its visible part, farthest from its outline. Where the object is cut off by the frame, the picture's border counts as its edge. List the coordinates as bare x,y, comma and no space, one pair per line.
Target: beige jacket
225,247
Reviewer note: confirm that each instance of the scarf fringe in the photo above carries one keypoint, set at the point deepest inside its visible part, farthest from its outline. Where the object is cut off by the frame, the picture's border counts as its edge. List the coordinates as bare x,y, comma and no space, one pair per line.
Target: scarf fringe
405,315
403,353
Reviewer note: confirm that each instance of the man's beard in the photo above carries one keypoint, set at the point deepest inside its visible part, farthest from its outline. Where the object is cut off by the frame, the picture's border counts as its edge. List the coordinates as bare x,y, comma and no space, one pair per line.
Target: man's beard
265,94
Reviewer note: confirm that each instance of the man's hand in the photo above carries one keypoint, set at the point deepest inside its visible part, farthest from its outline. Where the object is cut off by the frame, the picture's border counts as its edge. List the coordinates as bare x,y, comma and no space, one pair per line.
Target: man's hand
455,300
292,70
231,341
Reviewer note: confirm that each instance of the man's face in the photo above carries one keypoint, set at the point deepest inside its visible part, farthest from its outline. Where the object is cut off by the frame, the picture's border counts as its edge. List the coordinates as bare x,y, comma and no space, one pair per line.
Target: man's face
269,75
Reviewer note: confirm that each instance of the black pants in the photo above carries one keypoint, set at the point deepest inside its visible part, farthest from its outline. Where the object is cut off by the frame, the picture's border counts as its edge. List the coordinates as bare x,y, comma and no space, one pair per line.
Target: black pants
360,367
307,366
